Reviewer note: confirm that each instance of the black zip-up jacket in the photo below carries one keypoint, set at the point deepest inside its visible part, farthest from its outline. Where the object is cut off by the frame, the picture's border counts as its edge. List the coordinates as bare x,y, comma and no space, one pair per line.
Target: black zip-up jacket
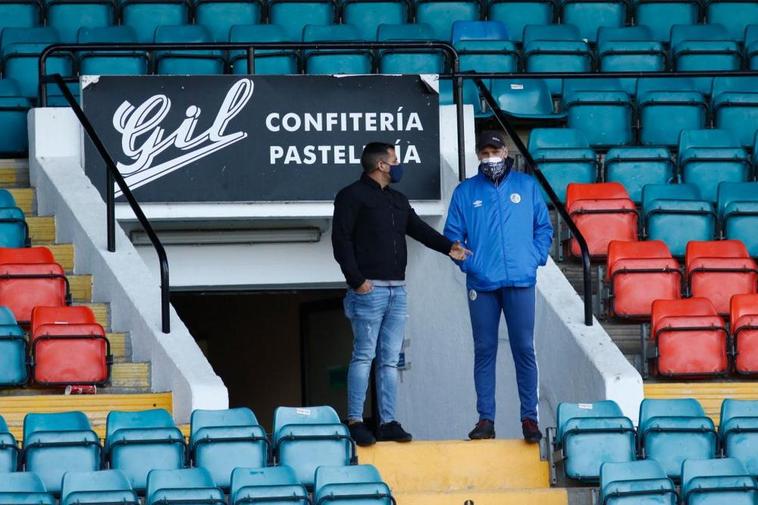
369,228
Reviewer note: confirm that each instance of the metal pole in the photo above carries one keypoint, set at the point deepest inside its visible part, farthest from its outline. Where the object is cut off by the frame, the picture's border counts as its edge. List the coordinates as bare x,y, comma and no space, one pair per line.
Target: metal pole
250,60
459,119
110,209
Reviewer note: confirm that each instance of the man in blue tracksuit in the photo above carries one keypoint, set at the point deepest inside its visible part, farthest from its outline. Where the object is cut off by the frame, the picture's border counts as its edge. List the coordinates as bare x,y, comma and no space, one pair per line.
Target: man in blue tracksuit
501,216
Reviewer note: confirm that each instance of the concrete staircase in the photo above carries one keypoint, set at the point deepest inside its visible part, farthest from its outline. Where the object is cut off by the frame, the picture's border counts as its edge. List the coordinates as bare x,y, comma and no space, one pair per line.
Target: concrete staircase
130,384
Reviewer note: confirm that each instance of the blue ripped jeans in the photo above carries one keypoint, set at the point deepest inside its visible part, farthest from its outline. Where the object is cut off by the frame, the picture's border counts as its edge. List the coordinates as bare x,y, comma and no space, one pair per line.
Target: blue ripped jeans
378,321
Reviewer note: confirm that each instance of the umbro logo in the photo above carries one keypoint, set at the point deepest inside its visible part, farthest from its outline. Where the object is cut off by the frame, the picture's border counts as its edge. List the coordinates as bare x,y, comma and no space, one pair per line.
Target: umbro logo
477,204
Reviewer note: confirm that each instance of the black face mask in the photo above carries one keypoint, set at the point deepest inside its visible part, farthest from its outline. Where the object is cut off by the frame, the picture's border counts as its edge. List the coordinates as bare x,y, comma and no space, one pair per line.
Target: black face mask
495,168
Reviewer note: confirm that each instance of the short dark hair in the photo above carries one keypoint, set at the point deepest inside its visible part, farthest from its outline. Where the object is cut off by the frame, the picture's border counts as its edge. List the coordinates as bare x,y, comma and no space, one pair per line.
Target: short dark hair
373,153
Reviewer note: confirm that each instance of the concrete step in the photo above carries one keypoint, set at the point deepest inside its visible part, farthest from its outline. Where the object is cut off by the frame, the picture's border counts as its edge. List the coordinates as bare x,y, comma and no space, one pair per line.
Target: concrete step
26,199
64,255
126,377
41,229
709,394
81,287
14,173
507,497
102,313
121,347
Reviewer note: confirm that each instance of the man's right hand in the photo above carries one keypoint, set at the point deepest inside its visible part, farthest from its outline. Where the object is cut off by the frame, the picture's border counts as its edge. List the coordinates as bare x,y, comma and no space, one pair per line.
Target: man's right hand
364,288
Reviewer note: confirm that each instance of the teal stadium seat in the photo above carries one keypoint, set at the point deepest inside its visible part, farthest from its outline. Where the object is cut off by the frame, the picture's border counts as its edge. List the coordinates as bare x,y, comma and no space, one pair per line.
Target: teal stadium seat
704,47
219,16
14,231
306,438
751,46
358,485
629,49
525,99
13,111
21,47
590,434
97,488
367,15
267,61
666,106
334,61
58,443
222,440
441,14
8,447
137,442
21,14
112,62
676,214
738,432
67,16
13,366
24,488
193,62
404,61
516,14
555,48
589,16
564,156
190,485
273,485
600,109
634,167
708,157
733,15
735,107
292,16
717,481
660,16
145,16
738,213
636,483
672,431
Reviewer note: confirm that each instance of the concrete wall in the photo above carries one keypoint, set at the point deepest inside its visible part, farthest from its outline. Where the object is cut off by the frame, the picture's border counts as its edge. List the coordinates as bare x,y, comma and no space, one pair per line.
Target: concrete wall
121,278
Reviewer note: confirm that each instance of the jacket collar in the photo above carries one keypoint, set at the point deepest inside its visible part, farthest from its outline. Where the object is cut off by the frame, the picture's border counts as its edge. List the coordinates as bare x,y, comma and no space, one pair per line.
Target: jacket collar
371,182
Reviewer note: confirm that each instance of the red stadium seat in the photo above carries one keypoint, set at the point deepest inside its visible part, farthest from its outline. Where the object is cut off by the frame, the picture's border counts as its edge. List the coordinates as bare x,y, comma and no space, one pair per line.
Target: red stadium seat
68,347
744,325
691,338
602,212
30,277
639,273
719,269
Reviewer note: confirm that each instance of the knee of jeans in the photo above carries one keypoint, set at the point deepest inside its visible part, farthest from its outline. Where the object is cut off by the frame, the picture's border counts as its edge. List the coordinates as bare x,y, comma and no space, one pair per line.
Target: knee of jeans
523,347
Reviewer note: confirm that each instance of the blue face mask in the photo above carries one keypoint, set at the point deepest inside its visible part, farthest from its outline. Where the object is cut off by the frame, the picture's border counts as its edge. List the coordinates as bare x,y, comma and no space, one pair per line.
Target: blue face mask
396,172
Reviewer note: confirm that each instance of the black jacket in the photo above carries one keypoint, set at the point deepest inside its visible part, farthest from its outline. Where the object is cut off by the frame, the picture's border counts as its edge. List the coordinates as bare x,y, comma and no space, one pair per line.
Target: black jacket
369,228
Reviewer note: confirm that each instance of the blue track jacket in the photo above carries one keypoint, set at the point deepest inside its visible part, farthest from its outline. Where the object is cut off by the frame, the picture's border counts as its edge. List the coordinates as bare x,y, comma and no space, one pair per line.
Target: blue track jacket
507,227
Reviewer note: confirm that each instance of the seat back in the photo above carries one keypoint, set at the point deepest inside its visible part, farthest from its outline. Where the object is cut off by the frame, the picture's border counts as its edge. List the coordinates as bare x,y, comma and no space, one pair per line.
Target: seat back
7,88
567,411
145,419
714,249
276,485
353,474
28,255
404,32
652,192
631,481
706,138
551,32
731,408
21,482
294,15
182,34
595,191
647,85
479,30
61,315
625,33
190,484
725,476
37,35
684,307
620,249
104,486
241,416
681,33
266,61
284,416
556,138
677,407
742,305
62,421
6,316
523,97
730,193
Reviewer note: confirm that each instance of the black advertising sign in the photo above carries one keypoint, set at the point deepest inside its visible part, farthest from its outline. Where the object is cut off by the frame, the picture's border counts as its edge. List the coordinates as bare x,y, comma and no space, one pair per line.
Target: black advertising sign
259,138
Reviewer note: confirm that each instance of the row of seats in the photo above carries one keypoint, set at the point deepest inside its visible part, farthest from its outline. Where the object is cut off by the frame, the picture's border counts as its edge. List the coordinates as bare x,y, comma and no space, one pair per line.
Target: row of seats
138,442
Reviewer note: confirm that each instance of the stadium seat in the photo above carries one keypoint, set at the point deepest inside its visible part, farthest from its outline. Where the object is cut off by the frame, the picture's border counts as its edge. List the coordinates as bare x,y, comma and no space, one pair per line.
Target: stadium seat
703,47
306,438
403,61
735,107
20,49
666,107
600,109
589,16
13,111
97,488
292,16
367,15
751,46
733,15
603,212
13,367
743,324
359,484
68,17
334,61
8,452
145,16
635,167
676,214
708,157
273,485
30,277
590,434
267,61
678,327
526,99
219,16
564,156
190,485
14,231
194,62
222,440
738,213
672,431
717,481
441,14
660,16
636,483
137,442
58,443
516,14
555,48
629,49
112,62
638,273
738,431
21,14
24,488
68,347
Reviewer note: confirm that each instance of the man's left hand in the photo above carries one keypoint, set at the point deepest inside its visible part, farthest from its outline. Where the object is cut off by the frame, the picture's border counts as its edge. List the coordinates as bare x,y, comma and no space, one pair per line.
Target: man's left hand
458,252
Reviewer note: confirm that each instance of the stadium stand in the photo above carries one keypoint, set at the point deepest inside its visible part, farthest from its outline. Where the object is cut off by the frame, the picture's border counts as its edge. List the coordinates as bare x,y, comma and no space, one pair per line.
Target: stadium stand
666,107
564,156
555,48
600,109
335,62
103,486
637,167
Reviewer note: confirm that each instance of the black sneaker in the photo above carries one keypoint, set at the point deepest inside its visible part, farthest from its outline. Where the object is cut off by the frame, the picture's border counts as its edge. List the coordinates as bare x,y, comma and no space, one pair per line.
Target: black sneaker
531,431
393,432
361,434
484,429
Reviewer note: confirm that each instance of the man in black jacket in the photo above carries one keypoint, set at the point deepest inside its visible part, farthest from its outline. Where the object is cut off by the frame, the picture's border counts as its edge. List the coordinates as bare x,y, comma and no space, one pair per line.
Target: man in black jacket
368,236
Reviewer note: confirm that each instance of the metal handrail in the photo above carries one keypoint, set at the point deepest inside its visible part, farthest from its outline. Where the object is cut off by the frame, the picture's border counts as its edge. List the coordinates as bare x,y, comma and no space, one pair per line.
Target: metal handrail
114,175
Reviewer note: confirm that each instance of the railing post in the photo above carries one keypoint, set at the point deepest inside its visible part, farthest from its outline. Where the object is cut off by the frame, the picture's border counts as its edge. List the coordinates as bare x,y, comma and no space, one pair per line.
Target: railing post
460,120
110,210
250,60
